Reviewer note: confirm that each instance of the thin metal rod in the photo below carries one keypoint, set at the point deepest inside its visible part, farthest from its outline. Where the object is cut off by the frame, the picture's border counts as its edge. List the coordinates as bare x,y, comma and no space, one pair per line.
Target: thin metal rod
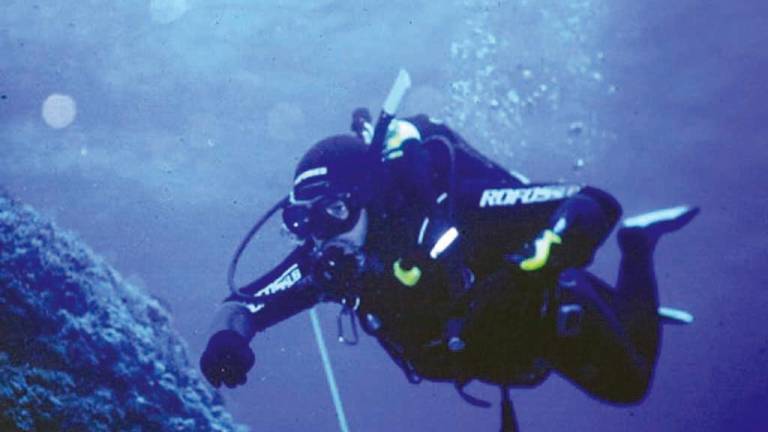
329,371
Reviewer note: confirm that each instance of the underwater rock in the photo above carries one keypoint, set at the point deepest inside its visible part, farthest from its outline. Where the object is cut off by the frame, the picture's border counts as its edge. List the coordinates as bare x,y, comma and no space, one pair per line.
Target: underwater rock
81,349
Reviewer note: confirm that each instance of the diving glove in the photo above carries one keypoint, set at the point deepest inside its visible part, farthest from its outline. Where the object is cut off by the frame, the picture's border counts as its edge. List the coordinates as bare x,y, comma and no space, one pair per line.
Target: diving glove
227,359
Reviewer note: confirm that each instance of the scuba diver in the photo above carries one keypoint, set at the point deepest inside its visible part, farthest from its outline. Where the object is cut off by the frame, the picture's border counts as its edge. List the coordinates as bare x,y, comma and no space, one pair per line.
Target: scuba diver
460,268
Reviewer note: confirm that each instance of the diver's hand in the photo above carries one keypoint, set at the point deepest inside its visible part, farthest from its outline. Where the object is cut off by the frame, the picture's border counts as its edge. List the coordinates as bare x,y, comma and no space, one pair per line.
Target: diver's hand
227,359
337,268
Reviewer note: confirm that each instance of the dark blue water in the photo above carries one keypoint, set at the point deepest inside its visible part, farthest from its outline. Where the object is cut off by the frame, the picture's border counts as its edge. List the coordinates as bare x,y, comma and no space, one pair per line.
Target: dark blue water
177,123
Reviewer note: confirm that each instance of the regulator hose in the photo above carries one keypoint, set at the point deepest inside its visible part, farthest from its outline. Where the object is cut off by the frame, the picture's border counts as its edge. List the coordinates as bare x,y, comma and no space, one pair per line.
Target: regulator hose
244,243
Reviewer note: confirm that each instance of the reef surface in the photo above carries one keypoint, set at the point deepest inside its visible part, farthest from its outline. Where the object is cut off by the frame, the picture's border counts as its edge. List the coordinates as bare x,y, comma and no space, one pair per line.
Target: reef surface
82,349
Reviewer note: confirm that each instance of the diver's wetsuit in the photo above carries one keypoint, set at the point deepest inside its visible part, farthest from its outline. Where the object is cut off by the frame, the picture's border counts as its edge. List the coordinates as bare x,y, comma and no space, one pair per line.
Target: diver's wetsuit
517,324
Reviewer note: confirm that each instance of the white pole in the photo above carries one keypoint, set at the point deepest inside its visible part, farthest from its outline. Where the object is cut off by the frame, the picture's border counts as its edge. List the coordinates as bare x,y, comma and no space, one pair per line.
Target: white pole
329,371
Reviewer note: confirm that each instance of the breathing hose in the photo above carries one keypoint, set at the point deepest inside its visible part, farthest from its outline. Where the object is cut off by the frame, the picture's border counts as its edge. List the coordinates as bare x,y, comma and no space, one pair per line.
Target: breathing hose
244,243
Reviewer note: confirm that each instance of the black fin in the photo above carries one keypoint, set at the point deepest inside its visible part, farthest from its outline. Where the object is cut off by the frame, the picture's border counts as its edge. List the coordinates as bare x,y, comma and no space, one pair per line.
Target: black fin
639,234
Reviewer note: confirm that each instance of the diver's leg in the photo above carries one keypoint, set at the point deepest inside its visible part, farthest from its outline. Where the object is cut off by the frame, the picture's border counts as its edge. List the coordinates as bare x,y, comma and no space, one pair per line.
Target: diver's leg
637,299
613,354
596,354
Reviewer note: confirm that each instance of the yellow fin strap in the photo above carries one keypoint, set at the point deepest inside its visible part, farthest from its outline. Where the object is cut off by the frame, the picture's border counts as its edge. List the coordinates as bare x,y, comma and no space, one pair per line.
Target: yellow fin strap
543,248
409,277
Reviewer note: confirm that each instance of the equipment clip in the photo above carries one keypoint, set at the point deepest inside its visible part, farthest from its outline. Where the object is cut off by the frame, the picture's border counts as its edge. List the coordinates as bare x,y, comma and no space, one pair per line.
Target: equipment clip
348,311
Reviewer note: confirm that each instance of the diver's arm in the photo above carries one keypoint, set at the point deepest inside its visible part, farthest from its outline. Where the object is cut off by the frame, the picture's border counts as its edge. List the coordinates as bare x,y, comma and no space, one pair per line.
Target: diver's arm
583,222
564,224
278,295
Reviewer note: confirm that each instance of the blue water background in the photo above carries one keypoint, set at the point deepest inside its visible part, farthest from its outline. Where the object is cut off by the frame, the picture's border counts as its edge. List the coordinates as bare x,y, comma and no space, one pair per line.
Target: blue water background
190,116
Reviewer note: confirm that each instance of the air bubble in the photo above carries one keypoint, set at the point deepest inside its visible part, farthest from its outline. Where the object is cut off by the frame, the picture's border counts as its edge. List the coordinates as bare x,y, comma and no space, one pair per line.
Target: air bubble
167,11
59,110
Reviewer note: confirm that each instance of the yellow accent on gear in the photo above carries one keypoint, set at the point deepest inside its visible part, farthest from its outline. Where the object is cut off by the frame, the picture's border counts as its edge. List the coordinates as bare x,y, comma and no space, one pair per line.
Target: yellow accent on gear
408,278
398,132
543,247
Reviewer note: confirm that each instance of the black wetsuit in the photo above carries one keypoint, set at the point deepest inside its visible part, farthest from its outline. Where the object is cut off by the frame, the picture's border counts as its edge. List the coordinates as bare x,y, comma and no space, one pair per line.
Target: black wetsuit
517,325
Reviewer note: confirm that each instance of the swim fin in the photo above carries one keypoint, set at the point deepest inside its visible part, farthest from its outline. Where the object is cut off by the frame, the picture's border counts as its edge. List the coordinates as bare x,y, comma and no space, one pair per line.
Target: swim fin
649,227
674,316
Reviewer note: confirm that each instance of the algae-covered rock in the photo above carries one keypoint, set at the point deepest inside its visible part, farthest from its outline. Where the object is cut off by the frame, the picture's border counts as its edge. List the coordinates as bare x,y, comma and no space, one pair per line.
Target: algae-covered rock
83,350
